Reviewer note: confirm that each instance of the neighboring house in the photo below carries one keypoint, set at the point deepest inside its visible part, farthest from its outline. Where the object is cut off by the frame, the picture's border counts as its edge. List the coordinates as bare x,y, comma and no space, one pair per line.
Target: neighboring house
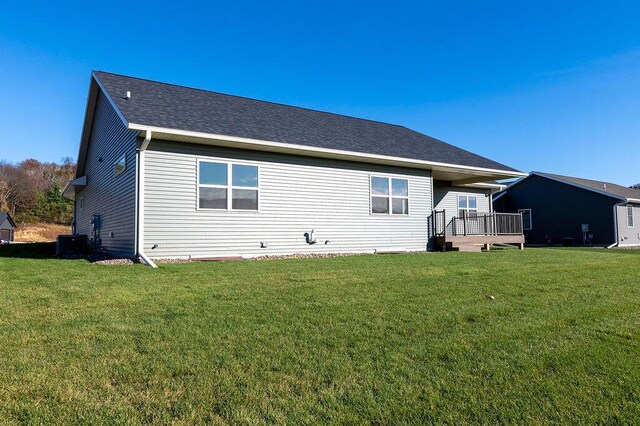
561,208
170,171
7,227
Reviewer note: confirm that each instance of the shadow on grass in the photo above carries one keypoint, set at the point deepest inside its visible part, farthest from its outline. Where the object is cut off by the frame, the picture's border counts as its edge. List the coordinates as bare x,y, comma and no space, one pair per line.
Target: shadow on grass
631,251
29,250
48,251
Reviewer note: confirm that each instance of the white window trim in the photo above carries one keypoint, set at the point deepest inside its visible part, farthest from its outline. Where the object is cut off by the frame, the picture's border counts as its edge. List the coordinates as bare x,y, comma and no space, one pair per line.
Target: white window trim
530,219
229,186
115,172
468,209
633,222
390,197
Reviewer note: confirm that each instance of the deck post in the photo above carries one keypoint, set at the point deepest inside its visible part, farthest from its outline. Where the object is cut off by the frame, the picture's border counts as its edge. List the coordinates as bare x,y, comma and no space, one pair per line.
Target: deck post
464,222
433,223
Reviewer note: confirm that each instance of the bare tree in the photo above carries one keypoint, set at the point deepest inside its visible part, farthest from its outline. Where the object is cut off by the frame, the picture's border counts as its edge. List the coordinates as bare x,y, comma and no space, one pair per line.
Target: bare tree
17,188
30,189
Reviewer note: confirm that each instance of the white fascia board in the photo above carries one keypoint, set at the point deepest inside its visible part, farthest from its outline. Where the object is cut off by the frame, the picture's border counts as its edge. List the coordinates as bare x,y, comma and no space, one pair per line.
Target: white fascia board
633,200
499,195
69,190
257,144
110,99
485,185
504,191
95,86
81,181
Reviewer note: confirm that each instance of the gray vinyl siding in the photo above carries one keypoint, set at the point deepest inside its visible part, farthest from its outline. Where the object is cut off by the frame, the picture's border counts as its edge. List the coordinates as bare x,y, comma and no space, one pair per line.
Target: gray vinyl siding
445,197
110,196
628,236
6,225
6,230
297,194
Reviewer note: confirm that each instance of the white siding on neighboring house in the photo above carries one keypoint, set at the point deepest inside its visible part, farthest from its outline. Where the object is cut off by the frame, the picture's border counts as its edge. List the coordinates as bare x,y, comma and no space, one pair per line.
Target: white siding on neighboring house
110,196
628,236
296,195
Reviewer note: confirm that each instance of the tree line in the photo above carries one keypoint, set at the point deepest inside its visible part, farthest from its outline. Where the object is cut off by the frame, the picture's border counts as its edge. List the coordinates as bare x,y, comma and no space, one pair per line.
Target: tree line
31,191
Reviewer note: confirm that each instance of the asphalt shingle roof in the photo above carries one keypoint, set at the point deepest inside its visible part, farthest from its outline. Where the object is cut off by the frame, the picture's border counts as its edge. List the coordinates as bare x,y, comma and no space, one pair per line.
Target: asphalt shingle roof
176,107
611,188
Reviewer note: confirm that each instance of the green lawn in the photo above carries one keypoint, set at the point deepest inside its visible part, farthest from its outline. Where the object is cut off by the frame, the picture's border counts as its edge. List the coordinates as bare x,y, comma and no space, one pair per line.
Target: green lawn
364,339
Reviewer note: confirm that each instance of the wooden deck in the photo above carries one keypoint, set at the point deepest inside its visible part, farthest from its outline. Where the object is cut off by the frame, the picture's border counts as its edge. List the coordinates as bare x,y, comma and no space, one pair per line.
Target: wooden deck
472,232
475,242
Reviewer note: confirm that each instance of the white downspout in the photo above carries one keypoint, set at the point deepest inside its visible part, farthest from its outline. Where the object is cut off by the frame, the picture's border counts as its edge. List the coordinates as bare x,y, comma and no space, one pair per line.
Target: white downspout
140,202
615,223
491,193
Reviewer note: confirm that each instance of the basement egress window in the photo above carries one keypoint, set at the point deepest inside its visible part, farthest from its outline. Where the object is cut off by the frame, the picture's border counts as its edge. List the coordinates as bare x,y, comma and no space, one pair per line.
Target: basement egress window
389,195
227,186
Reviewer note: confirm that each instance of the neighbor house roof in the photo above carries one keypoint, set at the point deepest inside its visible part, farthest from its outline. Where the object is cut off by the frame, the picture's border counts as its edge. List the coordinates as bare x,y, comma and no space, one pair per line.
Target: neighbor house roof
167,106
606,188
4,216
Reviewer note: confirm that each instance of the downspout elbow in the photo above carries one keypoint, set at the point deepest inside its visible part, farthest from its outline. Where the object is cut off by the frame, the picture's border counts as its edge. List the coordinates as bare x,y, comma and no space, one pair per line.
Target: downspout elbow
146,260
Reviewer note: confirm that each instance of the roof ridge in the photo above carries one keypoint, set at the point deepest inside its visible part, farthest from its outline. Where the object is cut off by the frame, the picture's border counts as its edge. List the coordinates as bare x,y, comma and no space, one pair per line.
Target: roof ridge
251,99
579,178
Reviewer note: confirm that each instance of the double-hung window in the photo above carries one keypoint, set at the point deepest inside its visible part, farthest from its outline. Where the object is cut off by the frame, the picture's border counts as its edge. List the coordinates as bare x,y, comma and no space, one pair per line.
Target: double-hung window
227,186
630,216
467,204
389,195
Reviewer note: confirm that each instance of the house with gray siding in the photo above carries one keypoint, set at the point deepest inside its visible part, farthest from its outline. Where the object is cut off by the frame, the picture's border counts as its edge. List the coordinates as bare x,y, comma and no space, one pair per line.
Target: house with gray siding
166,171
567,209
7,227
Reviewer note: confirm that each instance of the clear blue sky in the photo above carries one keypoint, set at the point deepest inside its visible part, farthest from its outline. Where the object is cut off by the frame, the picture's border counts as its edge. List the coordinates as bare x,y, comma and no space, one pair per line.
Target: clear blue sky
550,86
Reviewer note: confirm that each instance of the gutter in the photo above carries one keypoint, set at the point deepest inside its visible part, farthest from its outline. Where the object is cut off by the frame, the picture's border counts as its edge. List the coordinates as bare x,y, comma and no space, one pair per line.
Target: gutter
263,145
139,225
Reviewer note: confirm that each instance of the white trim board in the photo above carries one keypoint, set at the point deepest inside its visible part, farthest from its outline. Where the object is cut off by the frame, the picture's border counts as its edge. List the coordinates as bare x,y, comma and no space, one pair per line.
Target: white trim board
111,101
310,151
467,174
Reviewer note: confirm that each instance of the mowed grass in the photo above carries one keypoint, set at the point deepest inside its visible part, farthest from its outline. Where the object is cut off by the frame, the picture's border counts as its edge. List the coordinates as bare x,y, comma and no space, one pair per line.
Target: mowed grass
365,339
